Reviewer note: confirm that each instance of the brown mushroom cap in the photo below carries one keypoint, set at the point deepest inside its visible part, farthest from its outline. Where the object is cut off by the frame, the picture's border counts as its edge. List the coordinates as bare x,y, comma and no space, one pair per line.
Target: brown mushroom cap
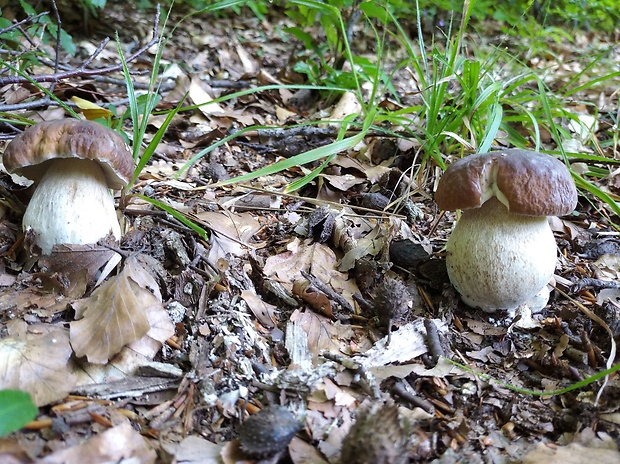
31,152
530,183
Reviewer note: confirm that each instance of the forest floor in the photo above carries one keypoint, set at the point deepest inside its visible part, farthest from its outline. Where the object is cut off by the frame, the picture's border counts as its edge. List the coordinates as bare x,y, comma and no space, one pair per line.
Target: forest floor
258,311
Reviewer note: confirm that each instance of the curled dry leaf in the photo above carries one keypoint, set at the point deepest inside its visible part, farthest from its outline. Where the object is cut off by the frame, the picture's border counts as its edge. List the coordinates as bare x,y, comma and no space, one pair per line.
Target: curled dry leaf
115,314
311,295
37,363
77,264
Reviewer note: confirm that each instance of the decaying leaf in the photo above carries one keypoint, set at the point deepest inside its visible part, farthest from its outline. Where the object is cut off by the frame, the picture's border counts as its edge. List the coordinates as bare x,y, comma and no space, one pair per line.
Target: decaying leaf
197,450
373,243
231,233
115,314
302,451
77,265
586,447
37,363
406,344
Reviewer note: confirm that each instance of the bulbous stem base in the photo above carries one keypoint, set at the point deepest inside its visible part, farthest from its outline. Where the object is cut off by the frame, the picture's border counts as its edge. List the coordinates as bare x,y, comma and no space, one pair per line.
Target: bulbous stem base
500,260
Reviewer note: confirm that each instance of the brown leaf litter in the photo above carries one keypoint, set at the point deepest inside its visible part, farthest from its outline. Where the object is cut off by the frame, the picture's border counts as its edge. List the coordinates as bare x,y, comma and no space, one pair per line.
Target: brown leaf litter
331,302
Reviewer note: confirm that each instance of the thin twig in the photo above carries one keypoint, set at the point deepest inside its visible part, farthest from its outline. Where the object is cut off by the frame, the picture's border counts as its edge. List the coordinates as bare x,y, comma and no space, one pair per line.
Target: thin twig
22,22
58,33
403,390
432,340
81,71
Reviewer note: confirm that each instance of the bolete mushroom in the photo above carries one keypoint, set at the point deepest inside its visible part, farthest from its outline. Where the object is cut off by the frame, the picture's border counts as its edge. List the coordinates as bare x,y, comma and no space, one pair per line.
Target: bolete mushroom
75,163
502,252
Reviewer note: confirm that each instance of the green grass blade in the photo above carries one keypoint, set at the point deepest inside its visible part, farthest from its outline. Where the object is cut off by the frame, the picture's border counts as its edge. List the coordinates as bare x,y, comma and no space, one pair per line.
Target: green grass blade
493,123
572,387
298,160
176,214
133,102
45,91
152,146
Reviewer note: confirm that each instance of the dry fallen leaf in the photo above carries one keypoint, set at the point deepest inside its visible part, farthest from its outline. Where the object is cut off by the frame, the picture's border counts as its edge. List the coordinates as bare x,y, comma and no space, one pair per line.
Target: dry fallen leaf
302,452
77,264
197,450
131,356
118,444
323,334
115,314
574,453
372,244
347,105
230,233
406,343
314,258
37,363
264,312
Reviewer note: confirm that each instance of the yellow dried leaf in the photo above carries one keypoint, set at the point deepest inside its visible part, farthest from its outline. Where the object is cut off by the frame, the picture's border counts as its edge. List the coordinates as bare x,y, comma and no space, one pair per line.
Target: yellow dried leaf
91,110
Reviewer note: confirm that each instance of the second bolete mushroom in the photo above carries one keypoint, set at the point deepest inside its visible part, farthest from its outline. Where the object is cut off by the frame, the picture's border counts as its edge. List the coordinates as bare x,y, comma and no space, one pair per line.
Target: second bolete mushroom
502,252
75,164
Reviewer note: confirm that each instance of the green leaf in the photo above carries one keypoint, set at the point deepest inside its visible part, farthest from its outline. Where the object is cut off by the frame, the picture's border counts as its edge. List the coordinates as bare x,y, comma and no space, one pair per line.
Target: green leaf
302,36
152,146
97,3
66,42
372,10
16,410
29,10
493,123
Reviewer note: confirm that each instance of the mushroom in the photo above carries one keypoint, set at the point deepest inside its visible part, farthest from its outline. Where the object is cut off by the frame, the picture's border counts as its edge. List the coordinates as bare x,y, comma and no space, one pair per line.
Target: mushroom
75,163
502,252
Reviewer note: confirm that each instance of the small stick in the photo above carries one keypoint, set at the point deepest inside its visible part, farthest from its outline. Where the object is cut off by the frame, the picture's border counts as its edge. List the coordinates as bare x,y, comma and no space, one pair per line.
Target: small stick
432,340
404,391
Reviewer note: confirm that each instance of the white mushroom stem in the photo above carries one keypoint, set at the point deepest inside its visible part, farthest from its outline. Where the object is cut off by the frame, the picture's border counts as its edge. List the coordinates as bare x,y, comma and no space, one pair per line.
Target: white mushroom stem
72,205
500,260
